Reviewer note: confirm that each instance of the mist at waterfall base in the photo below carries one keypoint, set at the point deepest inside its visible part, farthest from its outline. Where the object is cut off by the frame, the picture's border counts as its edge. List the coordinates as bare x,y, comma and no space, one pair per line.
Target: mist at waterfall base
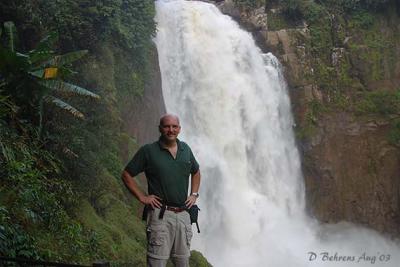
235,114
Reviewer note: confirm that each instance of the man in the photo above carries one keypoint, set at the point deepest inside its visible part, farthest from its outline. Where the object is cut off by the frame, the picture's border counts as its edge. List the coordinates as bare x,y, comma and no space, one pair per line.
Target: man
167,163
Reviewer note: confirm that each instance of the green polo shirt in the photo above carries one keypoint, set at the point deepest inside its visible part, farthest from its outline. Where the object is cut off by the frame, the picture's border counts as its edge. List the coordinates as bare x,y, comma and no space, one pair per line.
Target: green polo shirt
167,178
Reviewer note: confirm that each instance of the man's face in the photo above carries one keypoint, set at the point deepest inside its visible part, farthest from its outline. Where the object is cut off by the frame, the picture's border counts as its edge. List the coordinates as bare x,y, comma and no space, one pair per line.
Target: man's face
170,128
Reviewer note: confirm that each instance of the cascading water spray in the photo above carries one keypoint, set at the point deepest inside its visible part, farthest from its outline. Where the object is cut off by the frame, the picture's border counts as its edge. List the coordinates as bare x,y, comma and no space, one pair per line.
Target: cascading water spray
235,113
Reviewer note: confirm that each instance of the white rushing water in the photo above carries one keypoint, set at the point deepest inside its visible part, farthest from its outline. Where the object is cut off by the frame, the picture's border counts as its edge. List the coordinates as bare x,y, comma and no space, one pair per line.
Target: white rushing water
235,114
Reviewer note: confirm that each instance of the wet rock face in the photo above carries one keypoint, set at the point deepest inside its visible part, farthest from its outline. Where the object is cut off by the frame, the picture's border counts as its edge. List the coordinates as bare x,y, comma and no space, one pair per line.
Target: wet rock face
351,173
149,108
228,7
351,170
253,20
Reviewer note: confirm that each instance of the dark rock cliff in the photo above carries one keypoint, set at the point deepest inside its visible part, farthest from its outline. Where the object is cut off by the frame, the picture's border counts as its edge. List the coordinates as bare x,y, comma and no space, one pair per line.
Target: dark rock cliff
148,109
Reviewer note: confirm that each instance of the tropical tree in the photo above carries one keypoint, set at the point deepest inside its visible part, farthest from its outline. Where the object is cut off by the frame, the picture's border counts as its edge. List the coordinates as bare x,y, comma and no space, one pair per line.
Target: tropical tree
35,78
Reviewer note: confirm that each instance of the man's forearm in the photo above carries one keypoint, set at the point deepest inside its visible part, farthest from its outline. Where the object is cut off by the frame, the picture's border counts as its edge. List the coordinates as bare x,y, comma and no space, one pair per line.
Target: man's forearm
195,182
132,186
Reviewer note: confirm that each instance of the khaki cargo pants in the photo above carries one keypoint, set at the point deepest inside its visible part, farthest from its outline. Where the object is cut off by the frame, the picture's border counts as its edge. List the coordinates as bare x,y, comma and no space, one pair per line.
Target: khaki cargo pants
168,237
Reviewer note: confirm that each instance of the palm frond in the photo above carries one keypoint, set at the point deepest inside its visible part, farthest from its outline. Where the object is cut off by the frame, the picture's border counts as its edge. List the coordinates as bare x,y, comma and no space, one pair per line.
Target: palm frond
37,73
68,88
43,51
25,57
38,57
61,60
64,106
46,43
11,32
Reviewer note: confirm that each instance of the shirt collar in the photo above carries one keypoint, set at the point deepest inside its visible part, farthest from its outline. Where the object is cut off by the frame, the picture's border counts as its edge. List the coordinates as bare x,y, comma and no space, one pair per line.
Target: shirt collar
180,147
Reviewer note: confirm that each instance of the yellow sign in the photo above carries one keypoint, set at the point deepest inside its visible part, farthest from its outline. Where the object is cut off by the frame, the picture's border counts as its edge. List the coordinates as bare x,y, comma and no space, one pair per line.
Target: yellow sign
50,73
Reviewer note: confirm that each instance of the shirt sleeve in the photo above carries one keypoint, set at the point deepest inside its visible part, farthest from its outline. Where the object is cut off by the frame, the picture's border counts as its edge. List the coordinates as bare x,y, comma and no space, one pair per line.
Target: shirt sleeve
137,163
195,165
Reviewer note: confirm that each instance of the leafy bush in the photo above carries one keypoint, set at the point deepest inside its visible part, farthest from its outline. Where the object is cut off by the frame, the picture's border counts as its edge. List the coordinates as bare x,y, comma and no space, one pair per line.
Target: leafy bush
292,8
251,4
379,102
34,78
302,9
362,19
83,24
35,198
14,242
36,202
46,179
368,4
314,111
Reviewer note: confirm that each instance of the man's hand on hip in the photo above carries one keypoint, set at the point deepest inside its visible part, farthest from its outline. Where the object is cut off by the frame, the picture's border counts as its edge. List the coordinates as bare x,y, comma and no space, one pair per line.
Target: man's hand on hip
190,201
152,200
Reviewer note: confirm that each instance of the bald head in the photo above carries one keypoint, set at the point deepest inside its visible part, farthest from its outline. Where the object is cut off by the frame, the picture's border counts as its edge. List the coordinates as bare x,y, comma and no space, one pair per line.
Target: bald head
169,128
168,117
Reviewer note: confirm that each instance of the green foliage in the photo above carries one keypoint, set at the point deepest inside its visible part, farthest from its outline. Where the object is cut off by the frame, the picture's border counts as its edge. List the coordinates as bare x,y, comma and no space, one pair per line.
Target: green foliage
385,104
379,102
33,78
321,39
7,107
372,49
313,12
324,74
305,131
302,9
352,46
198,260
362,19
277,22
340,101
314,111
73,206
35,201
292,8
14,242
249,4
85,24
354,5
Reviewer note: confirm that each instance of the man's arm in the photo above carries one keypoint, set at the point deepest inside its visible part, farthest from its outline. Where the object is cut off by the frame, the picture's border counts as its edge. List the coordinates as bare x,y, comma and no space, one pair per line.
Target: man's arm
131,184
195,185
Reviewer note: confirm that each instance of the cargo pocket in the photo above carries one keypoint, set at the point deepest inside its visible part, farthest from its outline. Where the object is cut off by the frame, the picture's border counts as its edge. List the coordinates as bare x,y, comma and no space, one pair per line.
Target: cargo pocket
189,234
157,240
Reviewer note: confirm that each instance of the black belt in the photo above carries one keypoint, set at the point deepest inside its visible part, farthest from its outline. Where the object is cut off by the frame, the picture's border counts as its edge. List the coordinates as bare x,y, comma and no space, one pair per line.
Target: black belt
193,211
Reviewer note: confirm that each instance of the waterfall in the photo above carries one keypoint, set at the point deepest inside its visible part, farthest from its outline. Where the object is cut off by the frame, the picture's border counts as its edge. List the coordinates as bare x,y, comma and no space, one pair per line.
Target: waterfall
235,114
